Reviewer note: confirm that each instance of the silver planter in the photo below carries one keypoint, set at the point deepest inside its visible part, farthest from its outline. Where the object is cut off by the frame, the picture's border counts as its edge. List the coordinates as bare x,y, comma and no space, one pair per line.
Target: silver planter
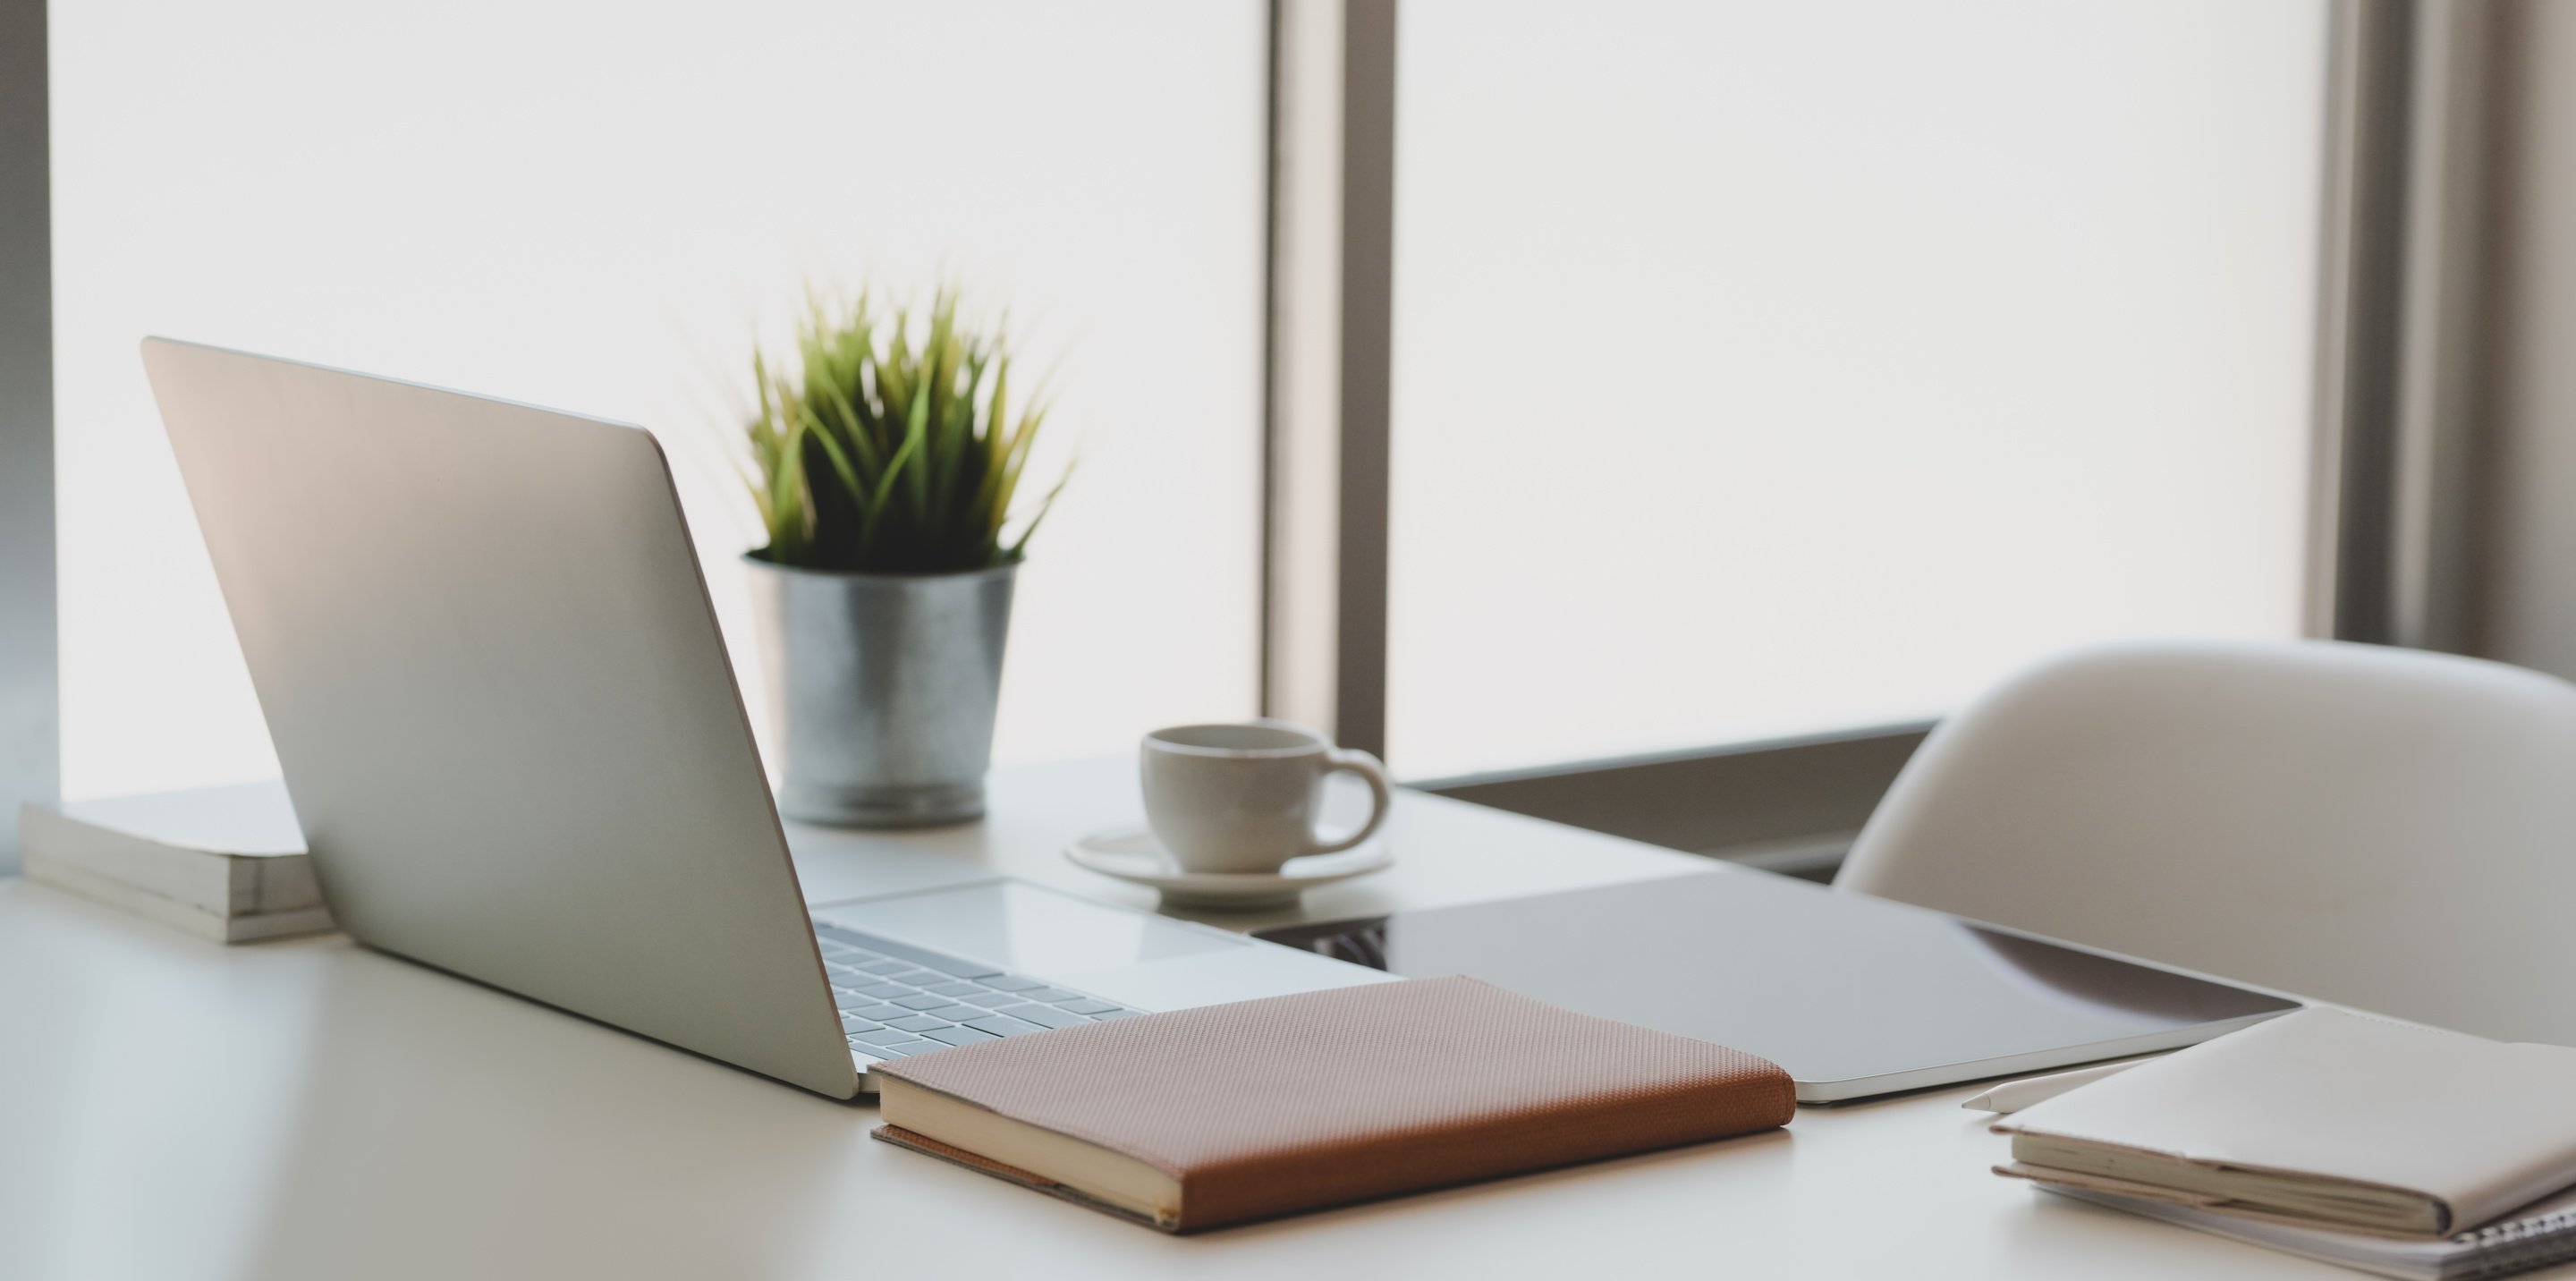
882,689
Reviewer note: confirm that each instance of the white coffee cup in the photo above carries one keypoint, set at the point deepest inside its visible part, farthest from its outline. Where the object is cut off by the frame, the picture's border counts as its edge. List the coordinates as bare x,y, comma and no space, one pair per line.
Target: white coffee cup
1244,798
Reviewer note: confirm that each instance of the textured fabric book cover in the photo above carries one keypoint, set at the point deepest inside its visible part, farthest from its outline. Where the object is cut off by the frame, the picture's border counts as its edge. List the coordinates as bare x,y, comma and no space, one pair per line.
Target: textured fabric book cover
1270,1107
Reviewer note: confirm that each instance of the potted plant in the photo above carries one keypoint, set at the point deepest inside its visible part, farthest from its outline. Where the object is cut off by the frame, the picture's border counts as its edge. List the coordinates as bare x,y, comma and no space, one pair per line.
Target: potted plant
886,465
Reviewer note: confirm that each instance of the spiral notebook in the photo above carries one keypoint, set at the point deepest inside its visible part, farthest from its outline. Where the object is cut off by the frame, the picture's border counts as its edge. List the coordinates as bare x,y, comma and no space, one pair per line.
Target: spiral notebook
2536,1236
2325,1118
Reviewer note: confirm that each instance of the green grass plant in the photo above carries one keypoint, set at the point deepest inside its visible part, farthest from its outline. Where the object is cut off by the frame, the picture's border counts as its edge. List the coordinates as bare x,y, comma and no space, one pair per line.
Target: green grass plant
892,447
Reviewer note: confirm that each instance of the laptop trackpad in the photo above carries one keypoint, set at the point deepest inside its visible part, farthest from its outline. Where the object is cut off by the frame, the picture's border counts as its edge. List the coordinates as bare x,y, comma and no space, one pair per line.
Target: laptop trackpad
1149,962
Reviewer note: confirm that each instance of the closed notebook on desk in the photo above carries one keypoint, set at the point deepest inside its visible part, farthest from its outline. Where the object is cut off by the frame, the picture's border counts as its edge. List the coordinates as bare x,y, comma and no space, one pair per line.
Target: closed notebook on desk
2321,1117
1198,1118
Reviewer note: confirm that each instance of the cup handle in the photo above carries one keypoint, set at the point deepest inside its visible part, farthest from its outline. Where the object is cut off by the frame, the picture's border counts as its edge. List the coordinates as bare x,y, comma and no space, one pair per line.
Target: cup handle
1371,771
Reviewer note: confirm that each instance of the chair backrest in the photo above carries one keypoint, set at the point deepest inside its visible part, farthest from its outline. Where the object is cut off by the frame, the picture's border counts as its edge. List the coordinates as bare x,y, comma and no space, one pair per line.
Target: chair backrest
2380,828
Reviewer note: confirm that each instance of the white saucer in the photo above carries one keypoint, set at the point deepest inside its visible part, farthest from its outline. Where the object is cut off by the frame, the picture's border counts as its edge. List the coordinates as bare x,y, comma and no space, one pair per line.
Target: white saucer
1132,854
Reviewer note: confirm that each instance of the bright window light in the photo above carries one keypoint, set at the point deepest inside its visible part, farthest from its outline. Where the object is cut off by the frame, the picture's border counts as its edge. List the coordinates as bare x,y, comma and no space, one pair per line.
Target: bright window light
1766,368
594,207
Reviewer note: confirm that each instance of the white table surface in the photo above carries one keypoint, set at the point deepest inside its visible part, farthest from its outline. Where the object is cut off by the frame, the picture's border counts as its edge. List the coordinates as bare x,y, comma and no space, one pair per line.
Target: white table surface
174,1109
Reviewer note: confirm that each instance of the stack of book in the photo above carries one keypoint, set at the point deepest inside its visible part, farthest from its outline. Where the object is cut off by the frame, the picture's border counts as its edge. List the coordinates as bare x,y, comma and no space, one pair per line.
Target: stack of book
2382,1146
223,863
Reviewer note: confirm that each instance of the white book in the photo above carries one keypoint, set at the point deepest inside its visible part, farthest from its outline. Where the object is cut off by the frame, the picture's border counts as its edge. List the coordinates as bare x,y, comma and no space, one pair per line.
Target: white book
2324,1118
222,862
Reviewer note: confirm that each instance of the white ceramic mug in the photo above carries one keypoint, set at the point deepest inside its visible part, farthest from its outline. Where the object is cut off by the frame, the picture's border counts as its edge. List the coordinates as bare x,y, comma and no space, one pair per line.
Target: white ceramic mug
1244,798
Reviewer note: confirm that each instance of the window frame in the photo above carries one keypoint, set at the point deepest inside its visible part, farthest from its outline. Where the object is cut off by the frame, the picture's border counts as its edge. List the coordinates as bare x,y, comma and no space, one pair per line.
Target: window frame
2388,501
2388,494
30,705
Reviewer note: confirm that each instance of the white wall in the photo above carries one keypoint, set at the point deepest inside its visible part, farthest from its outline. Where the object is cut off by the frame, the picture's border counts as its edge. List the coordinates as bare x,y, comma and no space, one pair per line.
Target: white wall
595,206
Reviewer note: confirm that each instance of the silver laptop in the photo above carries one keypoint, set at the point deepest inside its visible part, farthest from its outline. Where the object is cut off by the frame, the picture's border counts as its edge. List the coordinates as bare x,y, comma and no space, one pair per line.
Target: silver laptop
511,732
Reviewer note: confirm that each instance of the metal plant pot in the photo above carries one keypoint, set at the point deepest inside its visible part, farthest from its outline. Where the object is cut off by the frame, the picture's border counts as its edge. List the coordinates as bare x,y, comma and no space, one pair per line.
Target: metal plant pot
882,689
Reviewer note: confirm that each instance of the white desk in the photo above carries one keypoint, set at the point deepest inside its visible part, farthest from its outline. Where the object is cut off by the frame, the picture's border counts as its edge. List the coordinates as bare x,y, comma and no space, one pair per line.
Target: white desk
172,1109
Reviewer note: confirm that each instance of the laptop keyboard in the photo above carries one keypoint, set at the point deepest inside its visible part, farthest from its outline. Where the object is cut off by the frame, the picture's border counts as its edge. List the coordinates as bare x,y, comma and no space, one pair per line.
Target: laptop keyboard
898,1000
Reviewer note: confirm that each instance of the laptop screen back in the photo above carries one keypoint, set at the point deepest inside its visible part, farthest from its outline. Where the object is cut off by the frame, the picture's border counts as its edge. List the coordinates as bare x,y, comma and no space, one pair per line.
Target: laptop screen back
500,701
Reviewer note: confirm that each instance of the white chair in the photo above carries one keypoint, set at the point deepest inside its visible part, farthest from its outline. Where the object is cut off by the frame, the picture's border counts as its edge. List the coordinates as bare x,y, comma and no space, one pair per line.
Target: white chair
2380,828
